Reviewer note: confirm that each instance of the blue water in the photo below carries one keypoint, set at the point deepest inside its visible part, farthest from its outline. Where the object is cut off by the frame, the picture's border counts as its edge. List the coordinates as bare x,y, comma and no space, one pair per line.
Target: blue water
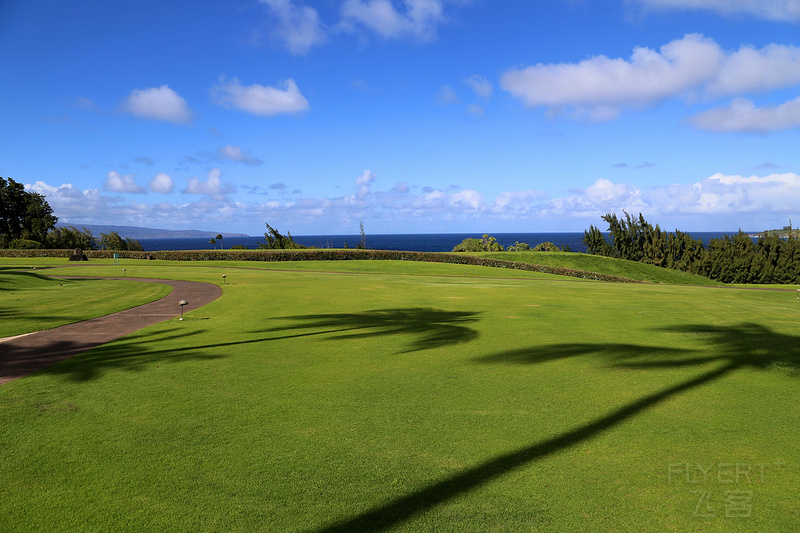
426,242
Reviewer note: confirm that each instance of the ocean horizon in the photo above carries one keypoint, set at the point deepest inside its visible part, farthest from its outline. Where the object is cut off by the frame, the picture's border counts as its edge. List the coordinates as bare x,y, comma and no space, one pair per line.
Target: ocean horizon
414,242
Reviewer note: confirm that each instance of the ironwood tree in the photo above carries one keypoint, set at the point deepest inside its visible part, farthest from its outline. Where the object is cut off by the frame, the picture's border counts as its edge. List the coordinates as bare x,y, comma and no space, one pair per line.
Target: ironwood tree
24,215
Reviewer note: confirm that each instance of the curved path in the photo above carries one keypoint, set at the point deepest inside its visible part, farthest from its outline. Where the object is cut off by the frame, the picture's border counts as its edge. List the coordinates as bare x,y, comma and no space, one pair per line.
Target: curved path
25,354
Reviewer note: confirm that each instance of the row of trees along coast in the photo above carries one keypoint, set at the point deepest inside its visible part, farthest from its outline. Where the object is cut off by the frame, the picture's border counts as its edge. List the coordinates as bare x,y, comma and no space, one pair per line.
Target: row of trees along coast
27,221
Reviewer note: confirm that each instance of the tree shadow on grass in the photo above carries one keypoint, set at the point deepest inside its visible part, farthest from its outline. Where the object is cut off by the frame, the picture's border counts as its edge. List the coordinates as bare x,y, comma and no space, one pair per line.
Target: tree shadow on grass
84,360
432,328
734,348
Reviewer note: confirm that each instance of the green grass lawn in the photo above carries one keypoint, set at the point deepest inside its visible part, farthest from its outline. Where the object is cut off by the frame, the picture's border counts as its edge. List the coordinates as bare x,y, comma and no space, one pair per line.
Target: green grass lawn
32,301
606,265
416,397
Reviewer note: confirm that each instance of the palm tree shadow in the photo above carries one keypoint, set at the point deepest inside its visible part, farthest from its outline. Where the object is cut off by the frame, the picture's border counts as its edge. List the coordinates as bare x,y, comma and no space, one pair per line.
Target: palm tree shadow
737,347
431,328
84,360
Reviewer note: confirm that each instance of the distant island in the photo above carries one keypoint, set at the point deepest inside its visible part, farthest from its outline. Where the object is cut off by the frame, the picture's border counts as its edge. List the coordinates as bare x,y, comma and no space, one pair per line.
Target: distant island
783,233
133,232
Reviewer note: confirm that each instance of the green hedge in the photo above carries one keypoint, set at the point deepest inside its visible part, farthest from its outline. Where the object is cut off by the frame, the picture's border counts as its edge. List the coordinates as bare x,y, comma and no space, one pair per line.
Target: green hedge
322,255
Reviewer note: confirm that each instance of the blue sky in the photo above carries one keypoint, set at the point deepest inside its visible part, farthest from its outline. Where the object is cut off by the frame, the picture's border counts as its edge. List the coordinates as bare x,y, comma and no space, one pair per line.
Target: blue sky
413,116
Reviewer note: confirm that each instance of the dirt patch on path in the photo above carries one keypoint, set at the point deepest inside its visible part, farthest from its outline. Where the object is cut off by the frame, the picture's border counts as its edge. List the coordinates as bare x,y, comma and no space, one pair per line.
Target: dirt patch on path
25,354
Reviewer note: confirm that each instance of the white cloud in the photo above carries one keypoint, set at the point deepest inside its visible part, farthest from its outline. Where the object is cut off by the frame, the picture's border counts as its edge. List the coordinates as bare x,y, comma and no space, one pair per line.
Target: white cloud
723,201
162,183
482,86
158,103
363,184
786,10
261,100
600,88
298,27
743,116
234,153
211,187
115,182
751,70
419,20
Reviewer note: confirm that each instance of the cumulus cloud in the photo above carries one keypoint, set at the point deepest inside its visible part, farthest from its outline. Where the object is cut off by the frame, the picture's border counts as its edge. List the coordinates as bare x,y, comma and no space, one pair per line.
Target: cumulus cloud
743,116
211,187
600,88
785,10
722,200
419,20
298,27
482,86
162,184
751,70
261,100
116,182
234,153
158,103
363,184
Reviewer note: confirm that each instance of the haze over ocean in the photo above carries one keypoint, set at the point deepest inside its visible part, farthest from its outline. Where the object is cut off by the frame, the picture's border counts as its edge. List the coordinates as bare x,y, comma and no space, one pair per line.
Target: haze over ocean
425,242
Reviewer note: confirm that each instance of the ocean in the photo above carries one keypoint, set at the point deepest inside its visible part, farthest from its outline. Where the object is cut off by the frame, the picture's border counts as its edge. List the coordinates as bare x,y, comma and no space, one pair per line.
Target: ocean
423,242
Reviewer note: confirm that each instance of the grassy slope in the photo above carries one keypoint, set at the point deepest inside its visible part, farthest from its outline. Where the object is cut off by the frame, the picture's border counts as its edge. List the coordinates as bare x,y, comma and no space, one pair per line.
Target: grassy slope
31,301
301,399
605,265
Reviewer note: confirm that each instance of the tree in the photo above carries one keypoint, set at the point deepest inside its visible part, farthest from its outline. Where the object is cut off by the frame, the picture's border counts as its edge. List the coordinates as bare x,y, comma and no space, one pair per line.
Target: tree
132,245
214,242
277,241
23,215
219,238
484,244
519,247
546,246
69,238
362,244
112,241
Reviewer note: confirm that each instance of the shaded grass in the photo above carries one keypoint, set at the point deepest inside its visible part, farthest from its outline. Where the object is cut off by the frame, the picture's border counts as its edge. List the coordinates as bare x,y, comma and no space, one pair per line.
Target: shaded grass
31,301
321,402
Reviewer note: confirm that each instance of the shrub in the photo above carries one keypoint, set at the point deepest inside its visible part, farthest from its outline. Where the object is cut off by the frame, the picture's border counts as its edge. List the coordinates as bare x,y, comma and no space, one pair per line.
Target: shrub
518,247
25,244
546,247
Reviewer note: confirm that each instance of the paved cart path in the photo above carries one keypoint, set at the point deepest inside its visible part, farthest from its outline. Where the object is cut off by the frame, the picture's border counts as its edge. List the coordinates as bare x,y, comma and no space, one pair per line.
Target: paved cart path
25,354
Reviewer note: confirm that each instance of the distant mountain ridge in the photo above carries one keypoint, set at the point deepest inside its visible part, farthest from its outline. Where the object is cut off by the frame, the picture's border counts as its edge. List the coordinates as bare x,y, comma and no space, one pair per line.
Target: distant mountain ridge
133,232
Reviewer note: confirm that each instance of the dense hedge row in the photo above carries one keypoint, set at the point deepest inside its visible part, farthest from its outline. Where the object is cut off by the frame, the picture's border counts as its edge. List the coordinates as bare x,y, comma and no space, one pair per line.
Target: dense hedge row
321,254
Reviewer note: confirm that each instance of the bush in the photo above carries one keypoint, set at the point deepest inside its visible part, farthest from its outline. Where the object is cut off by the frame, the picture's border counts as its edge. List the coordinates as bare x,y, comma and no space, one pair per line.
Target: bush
486,244
546,247
469,245
25,244
519,247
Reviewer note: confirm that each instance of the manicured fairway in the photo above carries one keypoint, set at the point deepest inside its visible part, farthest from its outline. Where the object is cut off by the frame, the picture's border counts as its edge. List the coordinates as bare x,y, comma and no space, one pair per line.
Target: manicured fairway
31,301
416,397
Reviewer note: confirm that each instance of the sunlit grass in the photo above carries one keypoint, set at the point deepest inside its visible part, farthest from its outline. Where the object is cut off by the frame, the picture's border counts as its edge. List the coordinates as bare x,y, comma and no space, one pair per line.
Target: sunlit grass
418,402
31,301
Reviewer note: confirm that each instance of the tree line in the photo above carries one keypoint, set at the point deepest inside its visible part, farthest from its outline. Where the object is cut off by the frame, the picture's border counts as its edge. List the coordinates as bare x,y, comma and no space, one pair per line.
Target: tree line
730,259
27,221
